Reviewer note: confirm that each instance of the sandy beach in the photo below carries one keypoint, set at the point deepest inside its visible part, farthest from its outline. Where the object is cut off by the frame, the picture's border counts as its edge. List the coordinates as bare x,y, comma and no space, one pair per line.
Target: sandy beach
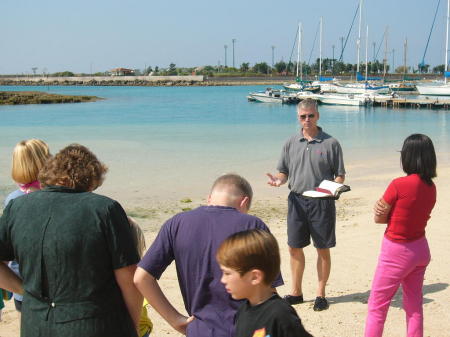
353,259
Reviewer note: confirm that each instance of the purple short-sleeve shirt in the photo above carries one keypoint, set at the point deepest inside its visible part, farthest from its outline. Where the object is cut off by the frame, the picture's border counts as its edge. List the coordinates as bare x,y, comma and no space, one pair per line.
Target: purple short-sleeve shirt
192,239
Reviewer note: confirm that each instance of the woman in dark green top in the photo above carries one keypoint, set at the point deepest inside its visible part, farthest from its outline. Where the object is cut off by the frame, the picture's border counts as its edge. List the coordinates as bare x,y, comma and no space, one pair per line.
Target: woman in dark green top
75,252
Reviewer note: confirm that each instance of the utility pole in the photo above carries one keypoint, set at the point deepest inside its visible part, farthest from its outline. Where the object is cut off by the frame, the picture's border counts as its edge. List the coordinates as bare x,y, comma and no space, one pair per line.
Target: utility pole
405,48
233,41
374,45
393,60
273,56
225,47
332,61
385,51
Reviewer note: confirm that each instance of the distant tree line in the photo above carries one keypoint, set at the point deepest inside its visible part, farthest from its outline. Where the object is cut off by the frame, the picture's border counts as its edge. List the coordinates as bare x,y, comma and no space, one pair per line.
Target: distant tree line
330,67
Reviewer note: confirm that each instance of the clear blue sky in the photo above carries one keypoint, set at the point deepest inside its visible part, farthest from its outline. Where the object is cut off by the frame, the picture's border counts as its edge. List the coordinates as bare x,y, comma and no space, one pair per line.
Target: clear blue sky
79,35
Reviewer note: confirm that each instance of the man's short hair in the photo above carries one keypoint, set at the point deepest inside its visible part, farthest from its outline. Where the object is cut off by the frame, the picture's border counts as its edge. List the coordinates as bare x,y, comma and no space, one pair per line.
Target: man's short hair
235,184
307,104
251,249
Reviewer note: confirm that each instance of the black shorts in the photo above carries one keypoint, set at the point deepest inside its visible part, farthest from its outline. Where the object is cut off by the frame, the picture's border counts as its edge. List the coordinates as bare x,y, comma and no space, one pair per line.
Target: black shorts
311,218
18,305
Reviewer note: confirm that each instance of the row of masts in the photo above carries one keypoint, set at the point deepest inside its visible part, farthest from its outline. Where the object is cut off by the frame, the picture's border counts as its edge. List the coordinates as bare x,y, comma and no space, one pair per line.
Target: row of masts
358,45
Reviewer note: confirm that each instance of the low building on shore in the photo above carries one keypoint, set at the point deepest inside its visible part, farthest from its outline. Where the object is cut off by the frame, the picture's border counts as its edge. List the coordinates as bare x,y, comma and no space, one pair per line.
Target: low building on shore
121,72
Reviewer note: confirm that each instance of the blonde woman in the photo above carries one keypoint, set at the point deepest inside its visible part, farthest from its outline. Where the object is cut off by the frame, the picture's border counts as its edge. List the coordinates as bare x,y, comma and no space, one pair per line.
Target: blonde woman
29,156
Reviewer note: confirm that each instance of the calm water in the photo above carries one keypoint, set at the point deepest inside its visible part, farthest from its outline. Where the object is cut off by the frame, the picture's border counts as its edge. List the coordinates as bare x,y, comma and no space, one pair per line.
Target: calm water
158,136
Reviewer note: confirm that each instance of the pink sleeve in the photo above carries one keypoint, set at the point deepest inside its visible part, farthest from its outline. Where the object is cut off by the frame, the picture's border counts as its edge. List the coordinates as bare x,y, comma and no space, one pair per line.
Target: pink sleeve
390,195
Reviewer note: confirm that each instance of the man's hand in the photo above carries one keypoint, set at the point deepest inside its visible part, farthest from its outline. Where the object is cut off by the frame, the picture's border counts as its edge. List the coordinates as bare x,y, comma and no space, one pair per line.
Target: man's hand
274,181
182,323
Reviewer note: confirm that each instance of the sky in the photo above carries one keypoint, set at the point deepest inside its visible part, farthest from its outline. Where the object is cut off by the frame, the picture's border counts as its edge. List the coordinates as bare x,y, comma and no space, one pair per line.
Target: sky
98,35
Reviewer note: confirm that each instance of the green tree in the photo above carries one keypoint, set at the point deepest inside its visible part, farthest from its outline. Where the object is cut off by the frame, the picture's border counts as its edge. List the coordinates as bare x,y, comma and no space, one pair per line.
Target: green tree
439,69
423,68
402,70
245,67
280,66
261,68
172,69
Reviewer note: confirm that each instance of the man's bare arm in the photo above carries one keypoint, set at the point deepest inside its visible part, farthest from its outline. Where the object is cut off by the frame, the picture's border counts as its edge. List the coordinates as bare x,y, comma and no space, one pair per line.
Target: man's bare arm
149,287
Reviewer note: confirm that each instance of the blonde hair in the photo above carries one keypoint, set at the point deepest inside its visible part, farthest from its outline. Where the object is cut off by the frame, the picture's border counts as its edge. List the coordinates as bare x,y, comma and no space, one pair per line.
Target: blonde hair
29,156
138,236
251,249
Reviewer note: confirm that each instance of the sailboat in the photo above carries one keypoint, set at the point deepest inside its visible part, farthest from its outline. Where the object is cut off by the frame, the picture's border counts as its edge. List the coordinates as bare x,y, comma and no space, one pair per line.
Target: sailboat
300,85
360,88
443,89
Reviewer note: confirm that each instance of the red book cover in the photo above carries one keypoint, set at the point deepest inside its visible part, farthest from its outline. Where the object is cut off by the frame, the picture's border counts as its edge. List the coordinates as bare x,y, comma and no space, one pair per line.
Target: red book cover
318,189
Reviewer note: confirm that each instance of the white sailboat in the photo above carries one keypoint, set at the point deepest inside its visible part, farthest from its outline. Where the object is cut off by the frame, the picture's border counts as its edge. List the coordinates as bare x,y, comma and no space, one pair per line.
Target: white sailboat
300,85
342,99
443,89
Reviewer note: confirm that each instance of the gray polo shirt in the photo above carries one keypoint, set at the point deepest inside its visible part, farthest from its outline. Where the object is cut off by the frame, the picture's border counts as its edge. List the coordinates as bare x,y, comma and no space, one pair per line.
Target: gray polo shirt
308,163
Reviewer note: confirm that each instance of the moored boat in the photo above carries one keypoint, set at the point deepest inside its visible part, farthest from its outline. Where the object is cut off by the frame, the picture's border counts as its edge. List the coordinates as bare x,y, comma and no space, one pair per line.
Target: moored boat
436,90
342,99
360,88
272,96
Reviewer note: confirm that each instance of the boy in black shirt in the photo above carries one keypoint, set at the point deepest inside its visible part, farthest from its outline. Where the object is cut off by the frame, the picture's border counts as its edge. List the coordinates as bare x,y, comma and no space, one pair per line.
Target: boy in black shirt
250,262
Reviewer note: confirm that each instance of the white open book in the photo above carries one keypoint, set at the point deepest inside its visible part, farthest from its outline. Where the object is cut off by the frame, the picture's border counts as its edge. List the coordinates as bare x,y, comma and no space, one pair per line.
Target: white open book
327,189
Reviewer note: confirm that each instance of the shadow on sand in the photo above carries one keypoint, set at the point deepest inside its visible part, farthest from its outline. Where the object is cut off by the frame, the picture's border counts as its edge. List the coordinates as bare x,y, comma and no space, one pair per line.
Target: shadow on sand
396,300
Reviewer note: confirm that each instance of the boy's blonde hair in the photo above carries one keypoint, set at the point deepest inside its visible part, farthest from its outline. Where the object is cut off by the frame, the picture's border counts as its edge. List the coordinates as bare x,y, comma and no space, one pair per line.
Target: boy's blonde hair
29,156
138,237
251,249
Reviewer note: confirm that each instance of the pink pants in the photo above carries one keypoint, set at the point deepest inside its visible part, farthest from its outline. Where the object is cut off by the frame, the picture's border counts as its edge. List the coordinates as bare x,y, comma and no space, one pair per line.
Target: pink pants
398,263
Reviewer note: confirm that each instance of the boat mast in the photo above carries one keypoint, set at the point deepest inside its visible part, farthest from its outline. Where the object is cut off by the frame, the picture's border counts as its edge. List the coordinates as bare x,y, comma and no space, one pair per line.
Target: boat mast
358,42
301,51
298,47
367,50
405,47
446,43
320,50
385,51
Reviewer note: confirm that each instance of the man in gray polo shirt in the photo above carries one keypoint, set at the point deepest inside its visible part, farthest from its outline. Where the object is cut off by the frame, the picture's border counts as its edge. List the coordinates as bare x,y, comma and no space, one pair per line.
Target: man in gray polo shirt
308,158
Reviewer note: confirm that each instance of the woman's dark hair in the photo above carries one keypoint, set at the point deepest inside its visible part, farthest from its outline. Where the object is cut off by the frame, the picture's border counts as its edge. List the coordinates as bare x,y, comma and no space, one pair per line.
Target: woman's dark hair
418,156
75,167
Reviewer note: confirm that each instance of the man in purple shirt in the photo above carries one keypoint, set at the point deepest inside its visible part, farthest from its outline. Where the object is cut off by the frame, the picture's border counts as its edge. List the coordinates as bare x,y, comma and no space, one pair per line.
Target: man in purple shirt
191,239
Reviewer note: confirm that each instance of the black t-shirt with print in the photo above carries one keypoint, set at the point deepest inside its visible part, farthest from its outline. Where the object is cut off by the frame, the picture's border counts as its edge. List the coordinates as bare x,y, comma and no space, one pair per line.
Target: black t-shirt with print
274,318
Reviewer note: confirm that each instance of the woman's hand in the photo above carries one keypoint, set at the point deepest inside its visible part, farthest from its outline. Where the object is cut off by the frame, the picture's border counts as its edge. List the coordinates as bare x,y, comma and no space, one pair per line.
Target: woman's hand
381,211
380,208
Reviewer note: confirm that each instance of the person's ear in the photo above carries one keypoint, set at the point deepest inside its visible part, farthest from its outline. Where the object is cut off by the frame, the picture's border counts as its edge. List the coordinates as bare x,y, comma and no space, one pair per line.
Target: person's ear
208,199
257,276
244,204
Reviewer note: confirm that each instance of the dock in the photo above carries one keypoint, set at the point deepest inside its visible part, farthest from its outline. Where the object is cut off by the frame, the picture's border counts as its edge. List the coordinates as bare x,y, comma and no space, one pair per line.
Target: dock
413,103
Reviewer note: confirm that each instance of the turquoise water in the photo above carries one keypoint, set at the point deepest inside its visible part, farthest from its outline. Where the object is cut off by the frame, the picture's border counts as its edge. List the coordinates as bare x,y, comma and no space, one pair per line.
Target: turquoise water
181,135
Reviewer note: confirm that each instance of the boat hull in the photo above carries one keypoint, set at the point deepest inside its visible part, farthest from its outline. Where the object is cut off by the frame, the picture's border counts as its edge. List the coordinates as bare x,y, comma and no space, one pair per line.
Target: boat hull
341,100
442,90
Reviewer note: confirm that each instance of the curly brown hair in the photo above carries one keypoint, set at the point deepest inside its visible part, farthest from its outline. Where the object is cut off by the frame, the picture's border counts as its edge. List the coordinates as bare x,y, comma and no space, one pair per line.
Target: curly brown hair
76,167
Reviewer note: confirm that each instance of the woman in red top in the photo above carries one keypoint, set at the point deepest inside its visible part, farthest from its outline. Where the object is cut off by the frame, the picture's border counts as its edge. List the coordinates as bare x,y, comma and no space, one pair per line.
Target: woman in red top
405,207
